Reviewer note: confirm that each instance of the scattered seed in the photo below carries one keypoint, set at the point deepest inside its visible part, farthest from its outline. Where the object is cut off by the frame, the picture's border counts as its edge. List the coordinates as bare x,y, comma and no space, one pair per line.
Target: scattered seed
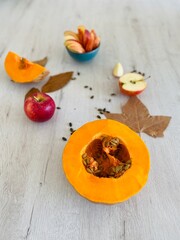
78,73
70,124
98,116
58,108
64,139
109,100
133,71
147,77
86,86
90,88
143,74
71,129
102,111
113,94
74,78
91,97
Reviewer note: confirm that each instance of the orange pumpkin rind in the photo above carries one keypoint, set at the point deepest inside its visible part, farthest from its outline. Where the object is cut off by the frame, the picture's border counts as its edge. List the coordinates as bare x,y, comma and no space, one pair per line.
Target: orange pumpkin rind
100,189
21,70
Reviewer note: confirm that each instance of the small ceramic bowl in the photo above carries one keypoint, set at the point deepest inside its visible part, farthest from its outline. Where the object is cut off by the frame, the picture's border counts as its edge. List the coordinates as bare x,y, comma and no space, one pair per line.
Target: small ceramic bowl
83,57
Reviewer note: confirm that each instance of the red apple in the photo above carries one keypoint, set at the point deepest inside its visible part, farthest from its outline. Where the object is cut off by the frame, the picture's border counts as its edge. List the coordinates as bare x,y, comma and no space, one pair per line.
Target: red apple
39,107
132,84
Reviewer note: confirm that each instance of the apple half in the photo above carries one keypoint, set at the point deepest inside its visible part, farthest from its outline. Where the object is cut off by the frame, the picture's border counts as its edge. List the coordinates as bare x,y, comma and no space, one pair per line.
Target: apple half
132,84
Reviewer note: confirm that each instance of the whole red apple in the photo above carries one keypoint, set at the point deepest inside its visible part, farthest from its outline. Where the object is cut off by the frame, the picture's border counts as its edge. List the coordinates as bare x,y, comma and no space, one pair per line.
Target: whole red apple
39,107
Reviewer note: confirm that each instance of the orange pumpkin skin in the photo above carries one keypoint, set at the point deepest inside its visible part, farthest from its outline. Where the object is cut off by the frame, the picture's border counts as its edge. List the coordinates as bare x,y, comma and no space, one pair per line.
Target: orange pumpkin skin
21,70
106,190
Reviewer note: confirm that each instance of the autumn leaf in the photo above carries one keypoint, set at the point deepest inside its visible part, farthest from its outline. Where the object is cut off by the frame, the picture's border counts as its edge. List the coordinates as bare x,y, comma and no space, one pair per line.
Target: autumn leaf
41,62
57,82
31,92
136,116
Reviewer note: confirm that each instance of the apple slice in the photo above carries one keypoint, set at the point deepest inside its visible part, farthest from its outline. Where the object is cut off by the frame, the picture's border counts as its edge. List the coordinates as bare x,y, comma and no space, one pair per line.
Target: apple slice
96,39
74,46
132,84
81,30
70,35
90,43
86,38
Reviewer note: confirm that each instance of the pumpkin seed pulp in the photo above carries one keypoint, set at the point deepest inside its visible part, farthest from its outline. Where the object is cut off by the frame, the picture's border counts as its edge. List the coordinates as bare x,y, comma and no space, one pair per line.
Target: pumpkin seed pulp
106,157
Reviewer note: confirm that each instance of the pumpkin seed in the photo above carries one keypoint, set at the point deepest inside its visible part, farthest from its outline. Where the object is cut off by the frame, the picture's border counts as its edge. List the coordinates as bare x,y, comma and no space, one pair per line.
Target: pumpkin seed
89,170
126,166
120,174
88,160
85,162
114,141
113,169
128,161
84,156
97,171
119,168
111,174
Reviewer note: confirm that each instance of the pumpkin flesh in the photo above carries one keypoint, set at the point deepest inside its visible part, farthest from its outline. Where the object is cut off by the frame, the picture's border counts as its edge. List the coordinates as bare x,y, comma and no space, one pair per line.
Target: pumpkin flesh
22,70
106,189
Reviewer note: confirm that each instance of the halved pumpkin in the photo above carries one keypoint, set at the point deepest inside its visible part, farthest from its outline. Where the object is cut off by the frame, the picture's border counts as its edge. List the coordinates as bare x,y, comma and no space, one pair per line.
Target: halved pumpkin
106,162
22,70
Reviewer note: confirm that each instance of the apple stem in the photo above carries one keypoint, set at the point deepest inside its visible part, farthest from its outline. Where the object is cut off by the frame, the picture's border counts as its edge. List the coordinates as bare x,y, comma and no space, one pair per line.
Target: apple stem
37,99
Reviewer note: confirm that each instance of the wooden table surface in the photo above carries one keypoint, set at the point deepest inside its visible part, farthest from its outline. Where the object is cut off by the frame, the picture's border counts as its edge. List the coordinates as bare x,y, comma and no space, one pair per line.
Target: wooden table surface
36,200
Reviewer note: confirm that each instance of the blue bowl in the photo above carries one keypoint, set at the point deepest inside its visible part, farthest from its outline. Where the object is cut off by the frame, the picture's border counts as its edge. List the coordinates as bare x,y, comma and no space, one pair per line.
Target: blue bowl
83,57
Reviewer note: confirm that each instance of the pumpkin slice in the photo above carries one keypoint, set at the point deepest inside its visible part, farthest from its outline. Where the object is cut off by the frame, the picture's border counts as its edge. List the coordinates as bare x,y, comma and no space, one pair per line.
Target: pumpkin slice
22,70
106,162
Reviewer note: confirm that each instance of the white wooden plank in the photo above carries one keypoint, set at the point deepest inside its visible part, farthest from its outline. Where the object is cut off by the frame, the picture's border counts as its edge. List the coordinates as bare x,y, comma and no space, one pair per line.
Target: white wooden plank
37,202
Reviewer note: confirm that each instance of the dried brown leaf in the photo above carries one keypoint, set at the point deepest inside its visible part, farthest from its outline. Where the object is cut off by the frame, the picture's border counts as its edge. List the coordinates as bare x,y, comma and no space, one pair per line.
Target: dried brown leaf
31,92
137,117
41,62
57,82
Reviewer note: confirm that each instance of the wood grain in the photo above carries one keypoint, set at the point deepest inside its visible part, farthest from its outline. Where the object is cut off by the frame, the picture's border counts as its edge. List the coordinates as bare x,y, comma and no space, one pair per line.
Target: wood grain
36,200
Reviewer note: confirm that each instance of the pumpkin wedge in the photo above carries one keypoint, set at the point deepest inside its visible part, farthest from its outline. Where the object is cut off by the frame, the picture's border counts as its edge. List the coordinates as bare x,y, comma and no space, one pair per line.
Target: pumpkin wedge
21,70
106,162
